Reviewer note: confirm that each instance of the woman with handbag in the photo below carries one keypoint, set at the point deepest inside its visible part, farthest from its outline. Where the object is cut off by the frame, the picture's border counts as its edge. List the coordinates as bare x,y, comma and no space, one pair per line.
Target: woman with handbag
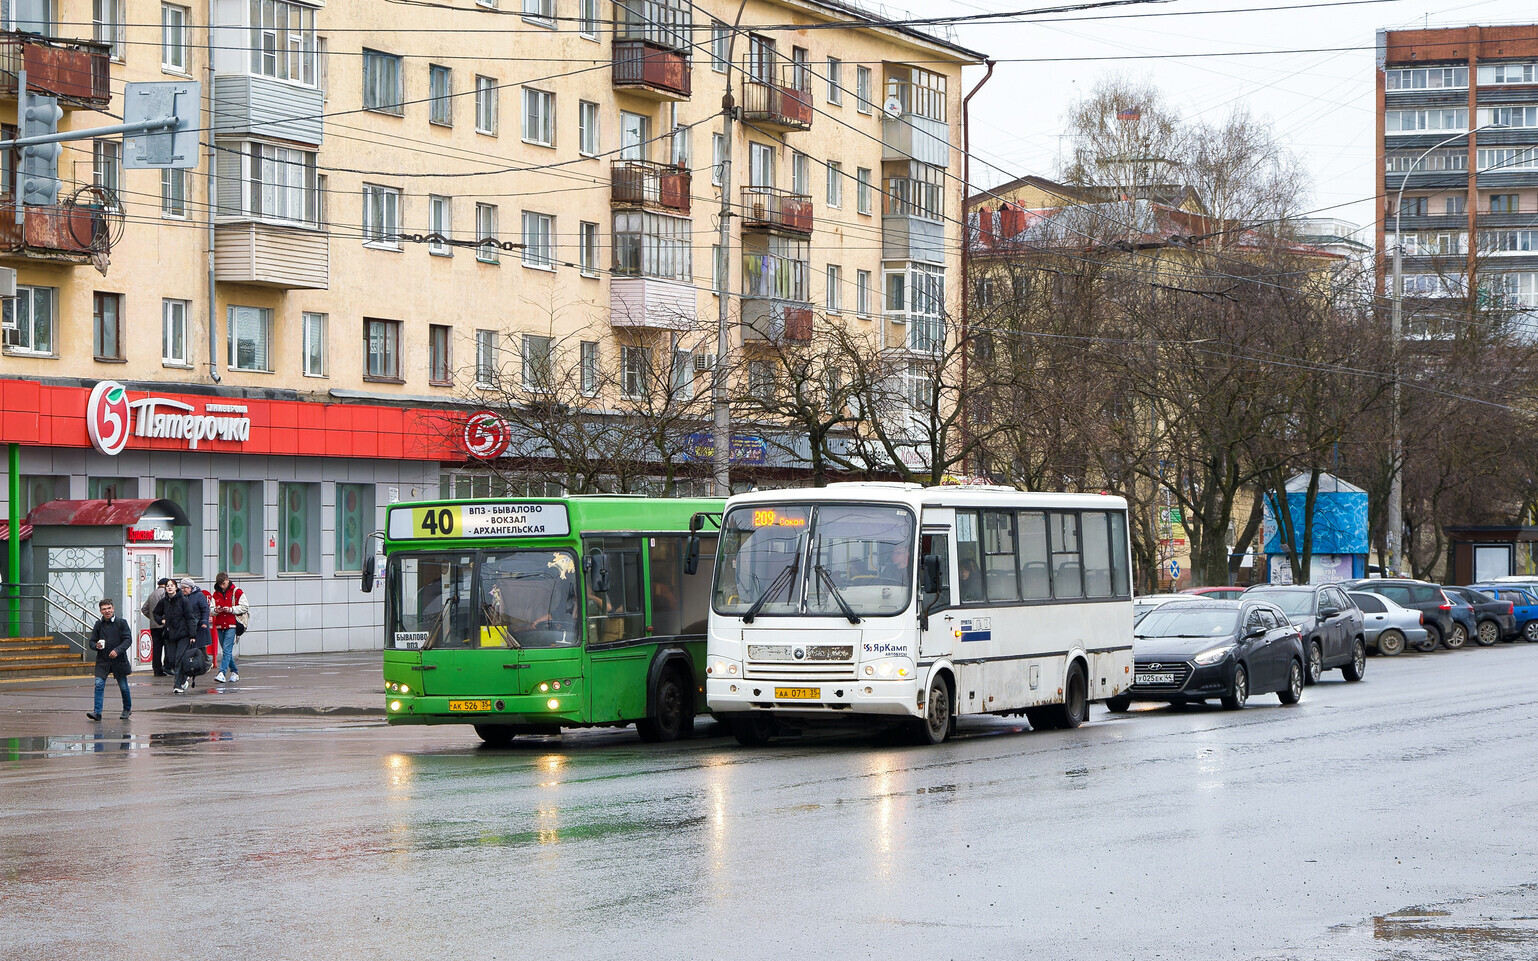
231,614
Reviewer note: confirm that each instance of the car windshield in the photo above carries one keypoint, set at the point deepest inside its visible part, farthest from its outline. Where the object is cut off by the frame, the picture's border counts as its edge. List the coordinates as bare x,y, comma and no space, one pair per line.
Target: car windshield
806,559
1292,603
1188,622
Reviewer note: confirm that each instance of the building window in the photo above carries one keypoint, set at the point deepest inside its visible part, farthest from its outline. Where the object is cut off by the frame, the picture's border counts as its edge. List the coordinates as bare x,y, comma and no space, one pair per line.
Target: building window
381,217
486,92
240,526
440,93
635,371
173,38
761,379
862,190
717,157
683,375
382,349
635,135
1416,121
107,21
107,326
283,185
835,81
1488,73
354,523
653,245
588,360
587,128
717,270
862,292
250,333
835,185
538,117
537,353
382,88
683,153
587,19
299,528
486,234
440,223
1434,78
862,101
541,12
1413,206
112,488
587,252
760,164
440,358
800,173
107,168
313,348
486,358
538,240
720,46
173,193
1505,203
1455,205
186,542
173,332
835,288
283,43
1509,116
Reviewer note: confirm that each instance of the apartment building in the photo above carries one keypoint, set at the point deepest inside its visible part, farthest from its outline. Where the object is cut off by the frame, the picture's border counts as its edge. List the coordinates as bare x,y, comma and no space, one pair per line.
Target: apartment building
400,204
1451,101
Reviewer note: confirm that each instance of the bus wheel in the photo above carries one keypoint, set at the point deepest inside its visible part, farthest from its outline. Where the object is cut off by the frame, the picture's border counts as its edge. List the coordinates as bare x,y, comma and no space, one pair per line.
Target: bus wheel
754,730
1075,707
496,735
935,726
671,718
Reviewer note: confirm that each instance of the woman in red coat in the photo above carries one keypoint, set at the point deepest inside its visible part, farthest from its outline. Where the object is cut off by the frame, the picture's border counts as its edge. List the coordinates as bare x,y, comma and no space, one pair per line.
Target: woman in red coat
225,603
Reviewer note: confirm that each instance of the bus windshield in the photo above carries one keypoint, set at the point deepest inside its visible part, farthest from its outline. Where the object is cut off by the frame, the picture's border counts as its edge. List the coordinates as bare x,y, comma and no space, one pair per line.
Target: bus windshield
801,559
460,601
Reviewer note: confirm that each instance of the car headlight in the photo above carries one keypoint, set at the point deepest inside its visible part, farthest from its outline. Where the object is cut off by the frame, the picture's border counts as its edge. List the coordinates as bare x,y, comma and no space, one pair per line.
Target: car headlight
1213,655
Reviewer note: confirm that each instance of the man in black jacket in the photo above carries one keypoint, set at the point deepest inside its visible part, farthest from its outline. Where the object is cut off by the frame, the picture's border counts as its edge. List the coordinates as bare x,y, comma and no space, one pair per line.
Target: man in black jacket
186,625
154,611
112,639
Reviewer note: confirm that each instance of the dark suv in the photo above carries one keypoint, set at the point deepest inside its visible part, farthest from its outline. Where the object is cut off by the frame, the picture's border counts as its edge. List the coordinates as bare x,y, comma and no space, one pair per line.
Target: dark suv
1422,596
1330,622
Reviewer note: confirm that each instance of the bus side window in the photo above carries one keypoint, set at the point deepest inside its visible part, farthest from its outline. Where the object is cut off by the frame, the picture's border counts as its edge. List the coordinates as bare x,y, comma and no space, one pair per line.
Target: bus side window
1035,582
667,570
1067,569
695,595
936,544
999,556
969,549
1097,554
1119,579
620,613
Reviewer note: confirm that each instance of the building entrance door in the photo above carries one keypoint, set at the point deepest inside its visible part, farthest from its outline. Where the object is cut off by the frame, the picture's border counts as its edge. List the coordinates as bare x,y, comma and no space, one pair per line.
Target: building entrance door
146,566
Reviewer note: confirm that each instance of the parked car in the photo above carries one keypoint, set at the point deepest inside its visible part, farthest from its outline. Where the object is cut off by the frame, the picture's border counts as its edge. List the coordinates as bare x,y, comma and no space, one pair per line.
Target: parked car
1230,593
1142,605
1331,626
1387,626
1524,606
1192,652
1464,623
1493,619
1422,596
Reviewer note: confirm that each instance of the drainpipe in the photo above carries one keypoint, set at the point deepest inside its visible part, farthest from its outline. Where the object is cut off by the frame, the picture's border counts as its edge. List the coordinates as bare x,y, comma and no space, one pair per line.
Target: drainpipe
208,112
966,243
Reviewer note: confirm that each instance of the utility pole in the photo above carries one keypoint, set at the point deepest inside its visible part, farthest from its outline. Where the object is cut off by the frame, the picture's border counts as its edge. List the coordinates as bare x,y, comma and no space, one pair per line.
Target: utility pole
721,432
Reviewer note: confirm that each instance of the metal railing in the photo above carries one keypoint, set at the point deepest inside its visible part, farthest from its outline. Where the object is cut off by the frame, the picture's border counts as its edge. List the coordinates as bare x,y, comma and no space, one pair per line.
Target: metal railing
648,183
49,606
771,207
78,72
778,94
644,63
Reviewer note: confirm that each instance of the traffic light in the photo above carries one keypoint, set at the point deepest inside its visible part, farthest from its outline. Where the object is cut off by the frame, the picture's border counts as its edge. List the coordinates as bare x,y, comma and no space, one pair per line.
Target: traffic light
40,162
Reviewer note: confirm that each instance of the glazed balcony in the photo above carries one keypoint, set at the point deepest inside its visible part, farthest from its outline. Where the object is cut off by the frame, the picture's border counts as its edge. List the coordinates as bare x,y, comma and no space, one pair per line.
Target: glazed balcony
61,233
769,208
75,71
651,69
777,96
271,255
776,321
642,183
776,297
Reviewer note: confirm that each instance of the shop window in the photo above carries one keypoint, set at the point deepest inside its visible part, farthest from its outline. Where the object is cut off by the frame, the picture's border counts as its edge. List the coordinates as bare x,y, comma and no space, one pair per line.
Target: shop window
299,528
186,542
240,526
354,522
112,488
37,490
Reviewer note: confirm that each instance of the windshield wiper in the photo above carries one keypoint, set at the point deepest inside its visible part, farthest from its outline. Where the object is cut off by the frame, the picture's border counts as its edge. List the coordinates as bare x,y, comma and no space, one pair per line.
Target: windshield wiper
843,605
781,579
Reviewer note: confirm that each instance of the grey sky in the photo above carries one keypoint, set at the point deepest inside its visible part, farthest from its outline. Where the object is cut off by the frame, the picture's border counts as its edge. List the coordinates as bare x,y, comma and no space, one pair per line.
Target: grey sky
1321,104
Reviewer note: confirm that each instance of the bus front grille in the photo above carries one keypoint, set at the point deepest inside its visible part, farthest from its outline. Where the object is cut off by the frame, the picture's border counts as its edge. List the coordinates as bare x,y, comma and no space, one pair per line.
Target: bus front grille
798,671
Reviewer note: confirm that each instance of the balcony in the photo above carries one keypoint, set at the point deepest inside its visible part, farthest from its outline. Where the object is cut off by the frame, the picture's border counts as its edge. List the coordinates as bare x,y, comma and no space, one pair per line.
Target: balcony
651,69
777,98
776,296
769,208
912,137
652,303
62,233
776,321
641,183
271,255
75,71
250,105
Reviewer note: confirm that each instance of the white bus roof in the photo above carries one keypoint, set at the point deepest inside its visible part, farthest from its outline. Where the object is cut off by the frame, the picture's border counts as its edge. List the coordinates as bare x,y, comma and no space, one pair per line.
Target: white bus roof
917,495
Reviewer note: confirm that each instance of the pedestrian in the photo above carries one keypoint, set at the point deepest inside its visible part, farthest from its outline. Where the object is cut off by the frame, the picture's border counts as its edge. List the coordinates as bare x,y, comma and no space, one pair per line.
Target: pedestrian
112,639
229,602
153,610
187,622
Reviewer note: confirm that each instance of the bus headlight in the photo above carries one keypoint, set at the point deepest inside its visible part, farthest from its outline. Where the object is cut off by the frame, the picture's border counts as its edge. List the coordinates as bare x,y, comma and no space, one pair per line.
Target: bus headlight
722,668
395,705
553,704
405,688
889,668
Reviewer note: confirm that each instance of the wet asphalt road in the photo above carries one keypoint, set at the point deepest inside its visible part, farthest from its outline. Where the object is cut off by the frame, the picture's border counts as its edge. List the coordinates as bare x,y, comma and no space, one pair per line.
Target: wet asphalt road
1393,819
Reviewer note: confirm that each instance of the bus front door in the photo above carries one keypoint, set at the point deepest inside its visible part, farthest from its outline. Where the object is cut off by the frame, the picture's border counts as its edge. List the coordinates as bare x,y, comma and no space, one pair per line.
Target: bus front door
936,640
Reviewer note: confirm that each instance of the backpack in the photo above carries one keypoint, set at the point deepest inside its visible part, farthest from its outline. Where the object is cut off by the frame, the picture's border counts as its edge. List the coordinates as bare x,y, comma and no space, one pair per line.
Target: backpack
242,622
195,662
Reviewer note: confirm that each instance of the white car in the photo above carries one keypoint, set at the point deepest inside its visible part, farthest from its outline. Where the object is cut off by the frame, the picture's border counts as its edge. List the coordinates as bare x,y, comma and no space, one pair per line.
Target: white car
1142,605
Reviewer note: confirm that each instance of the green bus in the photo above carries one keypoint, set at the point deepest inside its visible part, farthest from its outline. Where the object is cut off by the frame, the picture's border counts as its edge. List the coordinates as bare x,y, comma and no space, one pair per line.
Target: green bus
528,616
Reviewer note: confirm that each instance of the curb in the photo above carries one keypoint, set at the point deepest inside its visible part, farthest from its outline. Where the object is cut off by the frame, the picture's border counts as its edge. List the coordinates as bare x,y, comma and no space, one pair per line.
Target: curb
259,710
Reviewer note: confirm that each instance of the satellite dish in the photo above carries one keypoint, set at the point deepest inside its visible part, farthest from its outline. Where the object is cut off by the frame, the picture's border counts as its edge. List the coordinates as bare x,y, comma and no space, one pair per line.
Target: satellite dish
892,108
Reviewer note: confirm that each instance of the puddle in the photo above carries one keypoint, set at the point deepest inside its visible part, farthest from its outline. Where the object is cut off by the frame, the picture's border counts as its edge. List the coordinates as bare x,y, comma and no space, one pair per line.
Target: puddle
74,745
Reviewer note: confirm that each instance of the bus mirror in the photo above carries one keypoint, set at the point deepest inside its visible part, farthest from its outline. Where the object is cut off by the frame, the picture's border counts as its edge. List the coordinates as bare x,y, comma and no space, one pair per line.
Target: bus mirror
596,566
370,569
931,573
692,555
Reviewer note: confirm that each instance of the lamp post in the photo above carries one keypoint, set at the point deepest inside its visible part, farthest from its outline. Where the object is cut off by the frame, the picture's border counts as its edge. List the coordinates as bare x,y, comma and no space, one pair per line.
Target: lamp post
1396,473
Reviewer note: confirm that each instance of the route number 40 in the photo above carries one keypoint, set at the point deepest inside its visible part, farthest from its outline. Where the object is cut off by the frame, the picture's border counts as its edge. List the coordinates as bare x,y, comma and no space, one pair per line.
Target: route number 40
437,522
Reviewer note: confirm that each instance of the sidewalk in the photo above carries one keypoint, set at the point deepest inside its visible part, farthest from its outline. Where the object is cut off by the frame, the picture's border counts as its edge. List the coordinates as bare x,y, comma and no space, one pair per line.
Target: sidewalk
332,685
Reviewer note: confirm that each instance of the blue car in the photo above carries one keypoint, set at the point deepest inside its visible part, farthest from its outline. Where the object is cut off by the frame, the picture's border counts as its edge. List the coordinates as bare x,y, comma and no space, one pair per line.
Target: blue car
1524,606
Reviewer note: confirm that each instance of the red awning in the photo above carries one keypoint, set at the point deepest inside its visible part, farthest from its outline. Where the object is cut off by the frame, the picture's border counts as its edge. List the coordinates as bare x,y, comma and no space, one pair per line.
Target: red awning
5,531
104,513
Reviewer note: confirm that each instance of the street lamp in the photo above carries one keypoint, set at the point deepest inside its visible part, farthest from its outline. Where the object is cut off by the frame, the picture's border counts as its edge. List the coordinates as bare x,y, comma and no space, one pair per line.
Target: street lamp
1396,473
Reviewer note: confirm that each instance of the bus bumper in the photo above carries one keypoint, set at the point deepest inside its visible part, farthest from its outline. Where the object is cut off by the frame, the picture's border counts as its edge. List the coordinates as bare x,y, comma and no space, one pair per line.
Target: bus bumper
822,699
516,710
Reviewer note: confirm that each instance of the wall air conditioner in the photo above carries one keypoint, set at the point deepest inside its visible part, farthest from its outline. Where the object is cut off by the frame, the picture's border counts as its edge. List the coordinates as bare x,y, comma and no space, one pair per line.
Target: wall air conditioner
704,362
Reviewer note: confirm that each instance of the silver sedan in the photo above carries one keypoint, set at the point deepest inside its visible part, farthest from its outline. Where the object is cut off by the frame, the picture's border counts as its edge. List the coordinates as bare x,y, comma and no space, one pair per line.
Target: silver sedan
1387,626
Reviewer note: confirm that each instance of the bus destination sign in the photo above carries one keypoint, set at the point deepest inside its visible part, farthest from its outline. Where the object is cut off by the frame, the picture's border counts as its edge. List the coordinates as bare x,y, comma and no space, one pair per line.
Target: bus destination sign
509,519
